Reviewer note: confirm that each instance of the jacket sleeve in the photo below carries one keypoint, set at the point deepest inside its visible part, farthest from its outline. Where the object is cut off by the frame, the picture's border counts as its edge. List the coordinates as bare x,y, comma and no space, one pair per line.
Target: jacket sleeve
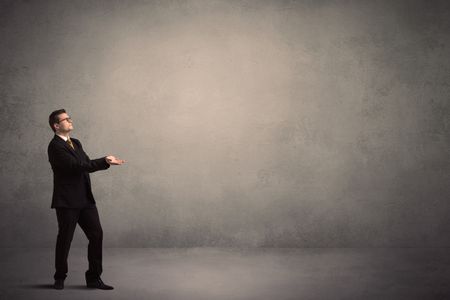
61,159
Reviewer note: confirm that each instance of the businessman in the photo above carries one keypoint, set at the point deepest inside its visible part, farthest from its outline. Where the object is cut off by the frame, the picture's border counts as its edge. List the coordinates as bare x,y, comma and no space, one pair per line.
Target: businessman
73,199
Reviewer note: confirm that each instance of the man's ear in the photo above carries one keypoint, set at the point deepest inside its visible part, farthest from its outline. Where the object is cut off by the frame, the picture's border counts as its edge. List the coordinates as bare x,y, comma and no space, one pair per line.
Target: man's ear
56,126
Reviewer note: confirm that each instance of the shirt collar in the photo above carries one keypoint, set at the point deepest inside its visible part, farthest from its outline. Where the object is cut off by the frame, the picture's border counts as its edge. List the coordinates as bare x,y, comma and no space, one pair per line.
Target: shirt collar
63,137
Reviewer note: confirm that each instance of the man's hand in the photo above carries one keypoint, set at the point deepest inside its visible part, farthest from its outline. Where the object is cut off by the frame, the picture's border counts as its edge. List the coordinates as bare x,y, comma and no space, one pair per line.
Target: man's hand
112,160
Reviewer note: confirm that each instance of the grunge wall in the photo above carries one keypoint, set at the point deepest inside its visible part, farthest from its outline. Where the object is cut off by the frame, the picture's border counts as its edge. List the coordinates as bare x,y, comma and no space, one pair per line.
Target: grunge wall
243,123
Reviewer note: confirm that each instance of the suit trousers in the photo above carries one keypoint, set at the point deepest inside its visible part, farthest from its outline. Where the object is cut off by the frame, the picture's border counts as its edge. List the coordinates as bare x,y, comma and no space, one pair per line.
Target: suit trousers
89,221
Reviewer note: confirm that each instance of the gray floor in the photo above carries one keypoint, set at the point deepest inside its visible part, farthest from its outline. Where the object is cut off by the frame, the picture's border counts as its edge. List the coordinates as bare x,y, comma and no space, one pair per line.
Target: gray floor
211,273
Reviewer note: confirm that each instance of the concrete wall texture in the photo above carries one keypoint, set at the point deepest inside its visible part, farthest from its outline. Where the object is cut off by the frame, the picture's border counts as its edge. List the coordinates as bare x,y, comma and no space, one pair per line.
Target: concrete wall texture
243,123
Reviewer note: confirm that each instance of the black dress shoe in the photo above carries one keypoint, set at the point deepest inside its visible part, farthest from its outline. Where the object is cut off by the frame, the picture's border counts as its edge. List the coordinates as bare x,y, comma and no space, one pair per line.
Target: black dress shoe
59,284
98,284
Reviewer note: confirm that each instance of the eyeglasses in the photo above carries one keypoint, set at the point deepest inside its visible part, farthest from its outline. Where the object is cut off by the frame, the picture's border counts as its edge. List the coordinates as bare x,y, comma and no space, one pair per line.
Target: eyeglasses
68,119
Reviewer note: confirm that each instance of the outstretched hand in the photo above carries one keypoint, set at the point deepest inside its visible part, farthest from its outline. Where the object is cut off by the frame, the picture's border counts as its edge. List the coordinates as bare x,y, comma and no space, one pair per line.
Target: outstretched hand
112,160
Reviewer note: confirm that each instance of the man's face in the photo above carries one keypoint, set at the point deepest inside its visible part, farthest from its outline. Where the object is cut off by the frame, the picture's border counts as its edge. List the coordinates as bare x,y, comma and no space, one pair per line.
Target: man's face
65,123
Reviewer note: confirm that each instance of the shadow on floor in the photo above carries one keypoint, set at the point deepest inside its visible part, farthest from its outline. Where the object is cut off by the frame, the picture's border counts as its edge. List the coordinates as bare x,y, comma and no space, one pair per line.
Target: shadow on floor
50,287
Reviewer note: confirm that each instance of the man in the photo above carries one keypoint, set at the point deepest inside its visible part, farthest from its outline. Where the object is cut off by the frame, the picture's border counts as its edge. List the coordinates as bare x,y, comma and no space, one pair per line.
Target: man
73,199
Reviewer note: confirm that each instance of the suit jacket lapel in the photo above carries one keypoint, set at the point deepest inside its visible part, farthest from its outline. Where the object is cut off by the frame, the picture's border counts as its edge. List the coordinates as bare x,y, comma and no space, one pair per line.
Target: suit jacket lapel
60,140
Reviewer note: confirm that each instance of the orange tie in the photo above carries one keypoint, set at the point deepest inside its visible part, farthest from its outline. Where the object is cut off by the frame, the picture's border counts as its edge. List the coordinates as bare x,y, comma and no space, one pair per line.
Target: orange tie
70,143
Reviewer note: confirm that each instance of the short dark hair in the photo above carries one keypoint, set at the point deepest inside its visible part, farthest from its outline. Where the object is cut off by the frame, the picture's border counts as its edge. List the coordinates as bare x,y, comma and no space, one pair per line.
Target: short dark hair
53,118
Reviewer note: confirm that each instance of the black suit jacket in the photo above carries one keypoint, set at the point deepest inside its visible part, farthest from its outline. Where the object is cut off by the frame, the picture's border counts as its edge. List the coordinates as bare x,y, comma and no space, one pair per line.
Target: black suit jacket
71,168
